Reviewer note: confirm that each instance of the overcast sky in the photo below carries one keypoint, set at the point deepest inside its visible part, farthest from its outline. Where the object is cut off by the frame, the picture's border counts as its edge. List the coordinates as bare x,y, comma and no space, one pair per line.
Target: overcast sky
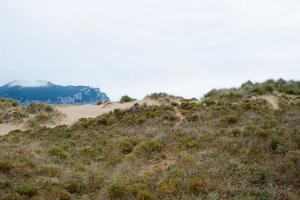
135,47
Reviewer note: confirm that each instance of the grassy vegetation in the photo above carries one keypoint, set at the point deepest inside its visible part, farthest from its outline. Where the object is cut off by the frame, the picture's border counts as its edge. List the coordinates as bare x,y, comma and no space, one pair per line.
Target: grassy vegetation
34,114
126,98
11,111
227,146
249,89
102,102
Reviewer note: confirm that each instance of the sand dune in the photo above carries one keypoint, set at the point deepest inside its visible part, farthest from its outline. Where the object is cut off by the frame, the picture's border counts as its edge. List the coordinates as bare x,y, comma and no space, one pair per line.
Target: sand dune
6,128
75,112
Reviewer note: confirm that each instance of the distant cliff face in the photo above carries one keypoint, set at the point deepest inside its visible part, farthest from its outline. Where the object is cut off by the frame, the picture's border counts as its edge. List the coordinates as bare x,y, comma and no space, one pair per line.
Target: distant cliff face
48,92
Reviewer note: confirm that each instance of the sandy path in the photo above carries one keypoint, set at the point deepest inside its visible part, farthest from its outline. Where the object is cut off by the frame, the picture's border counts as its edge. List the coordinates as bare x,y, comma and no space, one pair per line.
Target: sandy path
75,112
180,116
271,99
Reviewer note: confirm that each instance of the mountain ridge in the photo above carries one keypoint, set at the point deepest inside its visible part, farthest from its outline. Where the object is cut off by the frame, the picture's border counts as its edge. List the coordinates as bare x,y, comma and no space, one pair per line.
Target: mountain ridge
48,92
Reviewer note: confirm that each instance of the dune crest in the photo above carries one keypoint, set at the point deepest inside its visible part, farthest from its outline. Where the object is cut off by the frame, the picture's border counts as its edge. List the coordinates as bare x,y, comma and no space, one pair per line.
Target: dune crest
73,113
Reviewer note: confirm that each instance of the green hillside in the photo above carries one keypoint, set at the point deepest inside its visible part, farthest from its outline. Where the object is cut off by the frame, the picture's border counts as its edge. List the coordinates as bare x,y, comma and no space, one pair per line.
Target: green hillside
239,143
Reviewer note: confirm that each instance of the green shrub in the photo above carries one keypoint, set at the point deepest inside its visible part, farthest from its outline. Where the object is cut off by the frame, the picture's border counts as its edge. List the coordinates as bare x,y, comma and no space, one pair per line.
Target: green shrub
192,117
274,144
172,182
174,172
175,104
144,195
259,178
239,194
57,151
191,143
95,181
26,190
5,166
169,116
150,147
118,113
229,120
101,102
75,186
4,184
236,132
106,120
296,137
169,186
187,105
126,146
59,194
270,123
125,99
201,185
140,192
117,190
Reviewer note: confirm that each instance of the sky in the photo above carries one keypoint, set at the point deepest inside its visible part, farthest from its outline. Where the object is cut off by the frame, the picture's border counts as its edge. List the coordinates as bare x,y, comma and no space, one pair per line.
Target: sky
136,47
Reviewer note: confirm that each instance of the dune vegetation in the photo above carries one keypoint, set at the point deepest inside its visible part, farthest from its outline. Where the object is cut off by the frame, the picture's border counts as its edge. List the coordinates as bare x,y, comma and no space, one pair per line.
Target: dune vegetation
33,114
239,143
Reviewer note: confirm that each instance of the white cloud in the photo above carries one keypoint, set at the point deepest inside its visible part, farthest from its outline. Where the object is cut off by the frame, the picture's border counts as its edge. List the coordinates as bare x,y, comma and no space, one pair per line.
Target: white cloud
138,46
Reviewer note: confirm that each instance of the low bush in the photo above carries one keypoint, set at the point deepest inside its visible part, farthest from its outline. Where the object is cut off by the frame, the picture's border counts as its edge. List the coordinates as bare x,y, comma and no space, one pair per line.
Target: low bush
26,190
149,147
274,144
57,151
296,137
229,120
43,118
192,117
259,178
101,102
191,142
125,99
34,108
75,186
140,192
201,185
145,195
117,190
96,181
5,166
169,187
126,146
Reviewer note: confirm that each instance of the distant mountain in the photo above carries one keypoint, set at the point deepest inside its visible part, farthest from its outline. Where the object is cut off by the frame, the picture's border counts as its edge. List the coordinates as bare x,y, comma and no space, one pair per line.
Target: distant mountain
45,91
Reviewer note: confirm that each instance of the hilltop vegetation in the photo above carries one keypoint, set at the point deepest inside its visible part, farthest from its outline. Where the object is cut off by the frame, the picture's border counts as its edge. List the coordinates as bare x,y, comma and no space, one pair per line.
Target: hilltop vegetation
231,144
249,89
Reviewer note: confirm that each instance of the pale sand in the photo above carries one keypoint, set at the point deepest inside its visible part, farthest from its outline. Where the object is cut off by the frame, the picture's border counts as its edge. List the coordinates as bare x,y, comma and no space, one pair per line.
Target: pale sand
271,99
74,112
6,128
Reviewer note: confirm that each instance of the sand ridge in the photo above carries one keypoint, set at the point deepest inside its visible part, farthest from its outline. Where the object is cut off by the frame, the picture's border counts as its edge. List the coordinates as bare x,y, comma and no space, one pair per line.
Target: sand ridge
73,113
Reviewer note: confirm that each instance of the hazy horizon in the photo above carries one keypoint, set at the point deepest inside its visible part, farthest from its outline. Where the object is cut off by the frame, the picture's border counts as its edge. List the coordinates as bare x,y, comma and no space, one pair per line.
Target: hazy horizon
138,47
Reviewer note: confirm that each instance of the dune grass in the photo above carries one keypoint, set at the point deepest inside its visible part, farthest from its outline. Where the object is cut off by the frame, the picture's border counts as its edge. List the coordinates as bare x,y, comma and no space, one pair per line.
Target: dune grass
33,114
